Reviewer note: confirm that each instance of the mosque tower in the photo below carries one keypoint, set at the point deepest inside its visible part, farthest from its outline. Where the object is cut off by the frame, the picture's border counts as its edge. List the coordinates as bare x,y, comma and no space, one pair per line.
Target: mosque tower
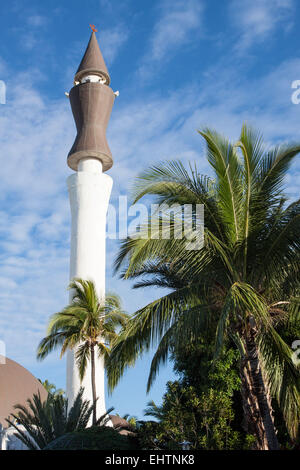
89,188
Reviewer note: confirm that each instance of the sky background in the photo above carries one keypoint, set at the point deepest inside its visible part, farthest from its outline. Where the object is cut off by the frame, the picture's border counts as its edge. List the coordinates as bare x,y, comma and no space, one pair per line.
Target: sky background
179,66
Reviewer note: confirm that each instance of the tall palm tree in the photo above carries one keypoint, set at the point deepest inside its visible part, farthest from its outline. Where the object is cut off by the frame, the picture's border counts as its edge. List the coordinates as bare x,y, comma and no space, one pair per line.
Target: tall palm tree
87,325
45,421
245,277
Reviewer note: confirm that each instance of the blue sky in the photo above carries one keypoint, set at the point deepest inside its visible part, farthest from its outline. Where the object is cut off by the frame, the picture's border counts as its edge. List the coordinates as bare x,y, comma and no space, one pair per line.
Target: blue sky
179,66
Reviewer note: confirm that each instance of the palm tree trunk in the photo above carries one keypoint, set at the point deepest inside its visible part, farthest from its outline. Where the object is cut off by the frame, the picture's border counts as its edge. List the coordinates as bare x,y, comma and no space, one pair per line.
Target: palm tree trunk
93,374
258,418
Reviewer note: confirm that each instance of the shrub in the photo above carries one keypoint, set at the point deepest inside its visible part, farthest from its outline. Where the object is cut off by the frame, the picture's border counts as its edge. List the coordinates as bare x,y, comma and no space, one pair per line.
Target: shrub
94,438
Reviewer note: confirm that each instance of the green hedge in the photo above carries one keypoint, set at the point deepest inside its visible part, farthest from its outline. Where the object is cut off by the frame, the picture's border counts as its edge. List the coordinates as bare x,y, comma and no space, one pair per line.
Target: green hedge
95,438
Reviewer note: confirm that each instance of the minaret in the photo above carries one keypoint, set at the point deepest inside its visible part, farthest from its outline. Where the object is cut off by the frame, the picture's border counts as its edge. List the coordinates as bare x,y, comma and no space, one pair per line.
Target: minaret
89,187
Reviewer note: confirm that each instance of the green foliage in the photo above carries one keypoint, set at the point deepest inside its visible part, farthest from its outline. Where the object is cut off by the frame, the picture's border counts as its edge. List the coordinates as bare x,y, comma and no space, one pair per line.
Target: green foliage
216,416
51,388
244,281
47,420
195,364
146,434
94,438
198,408
202,419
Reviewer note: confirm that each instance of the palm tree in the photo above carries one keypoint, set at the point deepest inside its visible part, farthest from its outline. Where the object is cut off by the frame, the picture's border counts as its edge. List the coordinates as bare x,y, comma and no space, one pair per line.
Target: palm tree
86,325
131,420
155,410
45,421
51,388
245,277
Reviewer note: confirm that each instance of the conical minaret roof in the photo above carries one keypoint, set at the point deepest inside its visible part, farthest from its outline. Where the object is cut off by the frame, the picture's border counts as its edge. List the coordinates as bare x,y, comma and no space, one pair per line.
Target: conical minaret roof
92,62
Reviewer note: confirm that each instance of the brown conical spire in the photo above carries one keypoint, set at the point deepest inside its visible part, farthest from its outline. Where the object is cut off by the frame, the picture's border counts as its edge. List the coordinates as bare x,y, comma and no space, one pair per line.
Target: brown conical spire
92,62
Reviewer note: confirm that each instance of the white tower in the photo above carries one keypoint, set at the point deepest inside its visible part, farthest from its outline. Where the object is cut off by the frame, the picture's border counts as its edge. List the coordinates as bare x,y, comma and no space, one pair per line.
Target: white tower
89,190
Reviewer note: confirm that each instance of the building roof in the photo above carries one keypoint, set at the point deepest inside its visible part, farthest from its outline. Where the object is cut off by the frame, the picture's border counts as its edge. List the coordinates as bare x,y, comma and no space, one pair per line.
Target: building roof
92,62
121,425
118,422
17,384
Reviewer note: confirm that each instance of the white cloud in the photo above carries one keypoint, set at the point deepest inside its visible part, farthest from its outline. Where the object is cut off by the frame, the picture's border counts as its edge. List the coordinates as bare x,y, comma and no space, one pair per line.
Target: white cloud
35,137
28,41
111,41
30,33
258,19
178,23
176,26
36,20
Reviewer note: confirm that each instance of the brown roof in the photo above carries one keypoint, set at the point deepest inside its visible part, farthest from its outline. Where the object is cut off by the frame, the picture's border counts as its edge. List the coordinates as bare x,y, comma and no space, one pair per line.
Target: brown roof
117,421
92,62
119,424
17,384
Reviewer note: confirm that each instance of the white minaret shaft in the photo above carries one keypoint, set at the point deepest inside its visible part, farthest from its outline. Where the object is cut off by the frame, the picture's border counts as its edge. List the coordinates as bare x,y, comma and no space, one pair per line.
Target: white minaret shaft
89,192
91,101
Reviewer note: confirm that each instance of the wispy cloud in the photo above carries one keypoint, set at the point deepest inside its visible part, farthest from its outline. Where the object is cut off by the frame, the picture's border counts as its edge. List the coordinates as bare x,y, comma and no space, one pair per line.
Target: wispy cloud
258,19
37,20
177,23
30,32
34,220
175,27
112,40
